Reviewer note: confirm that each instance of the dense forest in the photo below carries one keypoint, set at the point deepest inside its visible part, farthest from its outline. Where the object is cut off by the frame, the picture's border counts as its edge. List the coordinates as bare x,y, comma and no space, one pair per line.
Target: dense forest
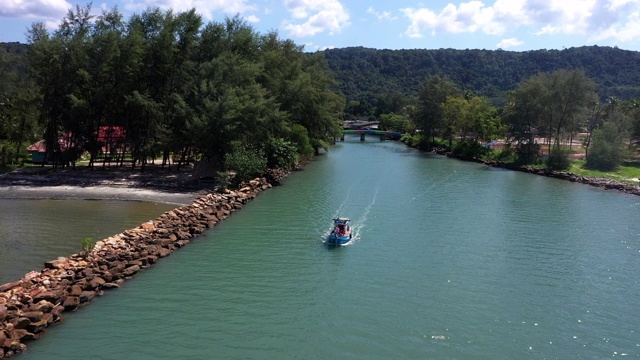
365,73
164,85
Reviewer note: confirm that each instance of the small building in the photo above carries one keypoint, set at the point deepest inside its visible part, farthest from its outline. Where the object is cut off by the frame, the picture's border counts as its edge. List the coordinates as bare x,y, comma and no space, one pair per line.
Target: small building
111,139
38,150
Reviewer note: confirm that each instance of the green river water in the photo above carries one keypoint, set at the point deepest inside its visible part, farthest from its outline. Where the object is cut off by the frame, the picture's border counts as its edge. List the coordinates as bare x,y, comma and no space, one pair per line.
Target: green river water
450,260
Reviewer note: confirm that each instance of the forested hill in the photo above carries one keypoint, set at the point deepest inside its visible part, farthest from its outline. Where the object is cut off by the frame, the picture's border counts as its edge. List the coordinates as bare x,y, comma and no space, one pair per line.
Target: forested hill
365,73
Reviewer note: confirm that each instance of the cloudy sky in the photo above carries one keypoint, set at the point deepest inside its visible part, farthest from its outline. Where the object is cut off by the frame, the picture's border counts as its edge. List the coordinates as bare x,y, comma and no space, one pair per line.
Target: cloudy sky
516,25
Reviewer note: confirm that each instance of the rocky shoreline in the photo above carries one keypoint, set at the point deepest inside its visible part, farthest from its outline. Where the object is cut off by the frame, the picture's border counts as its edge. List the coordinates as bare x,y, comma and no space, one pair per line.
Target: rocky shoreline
602,183
30,305
563,175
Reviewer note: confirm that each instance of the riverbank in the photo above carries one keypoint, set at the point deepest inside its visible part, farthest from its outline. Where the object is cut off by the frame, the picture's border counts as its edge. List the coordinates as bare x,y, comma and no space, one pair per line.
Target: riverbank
153,184
31,304
602,183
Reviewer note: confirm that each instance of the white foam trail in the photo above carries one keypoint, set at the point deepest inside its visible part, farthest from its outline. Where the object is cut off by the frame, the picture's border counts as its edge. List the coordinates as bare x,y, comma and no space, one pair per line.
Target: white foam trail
360,223
341,207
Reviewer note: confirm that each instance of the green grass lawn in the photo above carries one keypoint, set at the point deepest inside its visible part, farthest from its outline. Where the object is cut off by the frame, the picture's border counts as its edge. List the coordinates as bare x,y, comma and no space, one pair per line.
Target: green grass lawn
625,173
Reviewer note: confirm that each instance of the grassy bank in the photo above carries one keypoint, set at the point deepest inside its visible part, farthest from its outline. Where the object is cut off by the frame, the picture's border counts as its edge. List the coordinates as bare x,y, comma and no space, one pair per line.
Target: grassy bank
629,172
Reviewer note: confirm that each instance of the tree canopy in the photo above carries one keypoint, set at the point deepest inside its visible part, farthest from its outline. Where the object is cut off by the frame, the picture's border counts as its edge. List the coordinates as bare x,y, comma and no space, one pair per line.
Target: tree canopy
365,74
176,87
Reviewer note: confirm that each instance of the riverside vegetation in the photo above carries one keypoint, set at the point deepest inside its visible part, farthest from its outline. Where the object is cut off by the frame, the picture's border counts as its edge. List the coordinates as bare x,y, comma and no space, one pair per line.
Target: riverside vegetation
164,85
232,99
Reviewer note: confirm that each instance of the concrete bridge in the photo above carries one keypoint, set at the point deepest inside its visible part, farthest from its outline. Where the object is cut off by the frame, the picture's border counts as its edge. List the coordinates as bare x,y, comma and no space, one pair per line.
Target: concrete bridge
383,134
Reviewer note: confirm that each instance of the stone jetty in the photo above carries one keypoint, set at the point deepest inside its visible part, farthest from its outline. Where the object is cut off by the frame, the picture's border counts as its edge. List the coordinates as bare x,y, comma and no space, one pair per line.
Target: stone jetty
30,305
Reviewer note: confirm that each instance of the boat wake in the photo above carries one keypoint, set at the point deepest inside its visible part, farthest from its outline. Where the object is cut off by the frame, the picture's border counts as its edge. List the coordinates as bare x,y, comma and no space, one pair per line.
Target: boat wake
341,207
358,225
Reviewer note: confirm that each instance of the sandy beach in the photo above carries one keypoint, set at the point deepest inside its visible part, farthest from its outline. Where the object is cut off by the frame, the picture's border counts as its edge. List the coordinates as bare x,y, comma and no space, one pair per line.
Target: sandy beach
94,193
154,185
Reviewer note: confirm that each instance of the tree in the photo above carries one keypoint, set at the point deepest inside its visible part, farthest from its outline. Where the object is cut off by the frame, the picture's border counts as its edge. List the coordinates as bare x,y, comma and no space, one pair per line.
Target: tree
46,63
429,116
318,108
634,117
547,103
394,122
390,103
595,118
607,151
178,88
566,99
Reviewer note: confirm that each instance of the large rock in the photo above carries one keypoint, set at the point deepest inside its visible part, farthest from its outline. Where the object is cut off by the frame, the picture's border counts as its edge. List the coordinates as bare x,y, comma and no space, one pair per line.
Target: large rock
87,296
43,306
129,271
94,283
51,296
59,263
11,286
71,302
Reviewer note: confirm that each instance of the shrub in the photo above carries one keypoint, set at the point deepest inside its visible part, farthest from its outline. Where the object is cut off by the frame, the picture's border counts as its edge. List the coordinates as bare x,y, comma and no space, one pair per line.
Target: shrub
469,150
528,153
88,244
248,163
281,154
224,179
508,154
558,159
299,137
606,152
410,140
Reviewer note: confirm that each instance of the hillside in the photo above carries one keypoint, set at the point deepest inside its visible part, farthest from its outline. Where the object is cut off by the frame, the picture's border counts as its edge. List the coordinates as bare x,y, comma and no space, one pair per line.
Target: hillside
367,73
13,65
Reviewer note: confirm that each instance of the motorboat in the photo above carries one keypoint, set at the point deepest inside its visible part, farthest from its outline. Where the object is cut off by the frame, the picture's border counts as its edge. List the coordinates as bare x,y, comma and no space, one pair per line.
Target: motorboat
341,231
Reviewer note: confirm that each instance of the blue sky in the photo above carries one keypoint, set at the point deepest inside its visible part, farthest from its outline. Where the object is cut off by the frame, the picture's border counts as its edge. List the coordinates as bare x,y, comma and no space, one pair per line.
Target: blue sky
517,25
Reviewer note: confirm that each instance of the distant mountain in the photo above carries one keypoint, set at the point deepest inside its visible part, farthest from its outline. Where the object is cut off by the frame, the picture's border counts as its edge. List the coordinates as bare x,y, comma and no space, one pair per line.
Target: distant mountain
365,73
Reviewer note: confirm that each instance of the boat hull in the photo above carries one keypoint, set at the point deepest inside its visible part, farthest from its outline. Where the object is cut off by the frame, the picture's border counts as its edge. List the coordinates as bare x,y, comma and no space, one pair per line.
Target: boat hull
334,239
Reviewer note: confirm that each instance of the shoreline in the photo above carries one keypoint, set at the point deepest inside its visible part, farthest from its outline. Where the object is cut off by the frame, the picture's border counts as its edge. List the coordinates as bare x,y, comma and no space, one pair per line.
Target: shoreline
118,184
30,305
75,192
602,183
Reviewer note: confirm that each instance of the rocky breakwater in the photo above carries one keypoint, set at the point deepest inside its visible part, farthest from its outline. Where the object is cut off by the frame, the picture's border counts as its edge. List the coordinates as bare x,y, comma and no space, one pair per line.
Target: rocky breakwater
29,305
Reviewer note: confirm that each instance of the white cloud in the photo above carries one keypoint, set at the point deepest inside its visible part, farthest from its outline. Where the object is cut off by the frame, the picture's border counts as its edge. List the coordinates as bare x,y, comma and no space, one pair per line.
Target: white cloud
253,19
317,16
48,9
206,8
468,17
311,46
593,19
510,42
381,15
